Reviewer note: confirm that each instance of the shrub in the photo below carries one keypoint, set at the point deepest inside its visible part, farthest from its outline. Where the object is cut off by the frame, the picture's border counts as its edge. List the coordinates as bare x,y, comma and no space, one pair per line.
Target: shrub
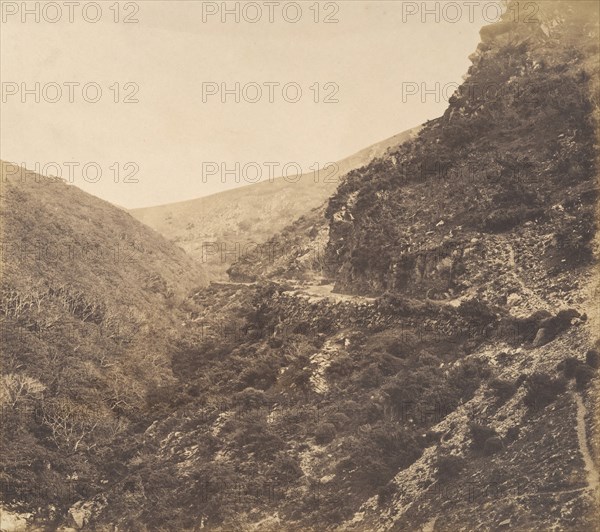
476,311
341,367
512,434
543,389
466,377
376,453
558,324
493,445
502,389
324,433
166,395
592,358
385,493
403,345
479,435
432,437
250,399
449,466
370,377
569,367
502,220
426,359
261,375
285,468
520,380
340,420
583,376
255,436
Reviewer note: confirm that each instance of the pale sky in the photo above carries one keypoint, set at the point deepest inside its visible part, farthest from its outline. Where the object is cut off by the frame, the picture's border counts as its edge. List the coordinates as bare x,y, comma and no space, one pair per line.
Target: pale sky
167,56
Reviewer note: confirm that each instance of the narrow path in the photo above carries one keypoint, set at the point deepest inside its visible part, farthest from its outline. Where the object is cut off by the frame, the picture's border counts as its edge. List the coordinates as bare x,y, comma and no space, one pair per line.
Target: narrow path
325,291
591,470
320,361
514,272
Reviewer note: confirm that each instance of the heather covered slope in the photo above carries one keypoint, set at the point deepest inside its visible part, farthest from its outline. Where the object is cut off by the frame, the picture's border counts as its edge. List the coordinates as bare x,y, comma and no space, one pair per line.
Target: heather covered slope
460,396
90,313
512,161
221,228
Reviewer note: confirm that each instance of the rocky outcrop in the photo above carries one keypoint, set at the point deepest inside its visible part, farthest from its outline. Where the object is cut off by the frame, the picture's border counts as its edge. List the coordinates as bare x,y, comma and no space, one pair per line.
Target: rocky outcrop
513,155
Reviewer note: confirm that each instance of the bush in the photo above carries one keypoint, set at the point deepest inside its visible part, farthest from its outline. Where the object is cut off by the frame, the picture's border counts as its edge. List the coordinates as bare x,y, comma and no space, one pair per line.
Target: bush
324,433
558,324
426,359
477,311
284,469
569,367
583,376
449,466
592,358
479,435
466,378
249,399
432,437
504,219
261,375
493,445
340,420
512,434
543,389
370,377
502,389
255,436
385,493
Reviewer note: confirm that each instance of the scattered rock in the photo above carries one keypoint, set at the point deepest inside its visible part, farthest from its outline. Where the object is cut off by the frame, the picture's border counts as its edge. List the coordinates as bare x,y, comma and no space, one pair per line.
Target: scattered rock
542,337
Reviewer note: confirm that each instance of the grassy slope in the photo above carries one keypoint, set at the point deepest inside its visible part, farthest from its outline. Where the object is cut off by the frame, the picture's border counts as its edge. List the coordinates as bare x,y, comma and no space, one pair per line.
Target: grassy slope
90,313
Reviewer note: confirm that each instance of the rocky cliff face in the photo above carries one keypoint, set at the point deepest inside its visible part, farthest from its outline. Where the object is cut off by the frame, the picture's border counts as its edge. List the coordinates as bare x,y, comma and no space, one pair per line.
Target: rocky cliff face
511,160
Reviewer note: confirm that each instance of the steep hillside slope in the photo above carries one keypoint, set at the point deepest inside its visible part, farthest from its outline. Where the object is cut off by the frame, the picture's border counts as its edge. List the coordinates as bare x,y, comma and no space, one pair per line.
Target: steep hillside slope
302,412
461,395
219,229
296,252
452,386
512,161
89,317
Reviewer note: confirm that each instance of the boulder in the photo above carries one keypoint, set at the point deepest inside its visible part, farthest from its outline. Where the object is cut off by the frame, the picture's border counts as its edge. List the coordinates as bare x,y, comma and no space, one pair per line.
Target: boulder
542,337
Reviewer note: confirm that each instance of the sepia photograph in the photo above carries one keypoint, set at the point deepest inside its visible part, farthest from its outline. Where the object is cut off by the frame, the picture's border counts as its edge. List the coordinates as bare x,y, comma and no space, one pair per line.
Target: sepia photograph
300,266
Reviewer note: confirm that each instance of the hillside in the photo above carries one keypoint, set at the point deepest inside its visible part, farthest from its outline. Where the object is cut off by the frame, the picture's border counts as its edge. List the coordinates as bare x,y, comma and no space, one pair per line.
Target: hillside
221,228
448,382
512,161
454,387
89,317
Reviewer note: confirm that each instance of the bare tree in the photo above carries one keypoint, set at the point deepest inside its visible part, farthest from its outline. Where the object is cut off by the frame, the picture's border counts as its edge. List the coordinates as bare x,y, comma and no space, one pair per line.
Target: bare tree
18,387
71,424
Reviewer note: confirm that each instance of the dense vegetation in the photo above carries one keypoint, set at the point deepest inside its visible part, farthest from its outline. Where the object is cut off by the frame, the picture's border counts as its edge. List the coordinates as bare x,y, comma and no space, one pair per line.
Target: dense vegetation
135,399
89,317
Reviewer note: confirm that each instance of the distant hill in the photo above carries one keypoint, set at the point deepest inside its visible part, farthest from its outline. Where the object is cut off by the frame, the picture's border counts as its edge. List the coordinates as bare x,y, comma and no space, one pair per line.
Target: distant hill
210,228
